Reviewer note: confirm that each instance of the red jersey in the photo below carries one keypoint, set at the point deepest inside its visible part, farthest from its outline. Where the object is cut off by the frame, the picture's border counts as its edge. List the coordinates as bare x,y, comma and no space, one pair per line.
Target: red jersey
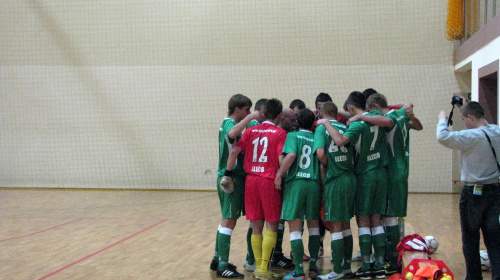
262,144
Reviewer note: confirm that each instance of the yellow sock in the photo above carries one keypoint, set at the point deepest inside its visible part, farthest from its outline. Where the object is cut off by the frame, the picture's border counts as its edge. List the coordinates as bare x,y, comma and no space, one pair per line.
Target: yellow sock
268,243
257,248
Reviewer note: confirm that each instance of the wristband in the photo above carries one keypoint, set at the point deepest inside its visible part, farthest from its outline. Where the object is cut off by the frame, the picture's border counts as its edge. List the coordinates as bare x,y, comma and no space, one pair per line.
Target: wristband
228,173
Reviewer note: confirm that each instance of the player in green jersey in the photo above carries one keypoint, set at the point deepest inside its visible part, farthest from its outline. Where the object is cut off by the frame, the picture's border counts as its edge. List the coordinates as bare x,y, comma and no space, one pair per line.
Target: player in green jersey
296,105
339,193
259,106
232,203
300,171
321,98
399,124
369,166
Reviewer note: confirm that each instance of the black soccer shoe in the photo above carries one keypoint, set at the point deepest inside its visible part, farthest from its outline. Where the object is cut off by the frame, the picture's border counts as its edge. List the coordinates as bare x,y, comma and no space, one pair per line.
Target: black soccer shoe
279,261
214,264
229,272
363,274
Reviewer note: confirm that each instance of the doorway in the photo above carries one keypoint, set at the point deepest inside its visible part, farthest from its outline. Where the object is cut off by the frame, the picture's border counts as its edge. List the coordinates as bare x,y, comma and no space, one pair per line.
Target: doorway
488,92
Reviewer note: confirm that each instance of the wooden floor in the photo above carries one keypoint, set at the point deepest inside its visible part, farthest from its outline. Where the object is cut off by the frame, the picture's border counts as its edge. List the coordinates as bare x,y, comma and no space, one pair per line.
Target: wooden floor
96,234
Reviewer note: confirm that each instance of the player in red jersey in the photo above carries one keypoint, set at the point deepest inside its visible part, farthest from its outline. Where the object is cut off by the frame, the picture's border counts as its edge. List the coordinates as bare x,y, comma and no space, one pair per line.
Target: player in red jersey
263,146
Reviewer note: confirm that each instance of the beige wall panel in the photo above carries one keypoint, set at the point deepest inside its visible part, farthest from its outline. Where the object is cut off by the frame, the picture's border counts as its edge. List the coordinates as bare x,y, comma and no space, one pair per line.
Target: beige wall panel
131,94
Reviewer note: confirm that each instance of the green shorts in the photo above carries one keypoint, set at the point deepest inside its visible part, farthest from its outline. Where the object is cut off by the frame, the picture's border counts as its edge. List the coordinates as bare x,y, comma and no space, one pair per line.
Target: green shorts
301,198
371,195
340,193
397,196
232,205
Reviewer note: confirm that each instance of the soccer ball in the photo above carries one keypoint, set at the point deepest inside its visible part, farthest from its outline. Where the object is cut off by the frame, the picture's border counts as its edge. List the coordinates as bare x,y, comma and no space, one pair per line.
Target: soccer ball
485,260
432,243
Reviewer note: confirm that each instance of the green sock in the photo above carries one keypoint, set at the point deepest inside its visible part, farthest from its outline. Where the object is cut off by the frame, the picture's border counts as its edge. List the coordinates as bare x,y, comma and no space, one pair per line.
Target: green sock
250,257
392,237
348,247
298,253
224,246
365,246
337,251
379,247
313,246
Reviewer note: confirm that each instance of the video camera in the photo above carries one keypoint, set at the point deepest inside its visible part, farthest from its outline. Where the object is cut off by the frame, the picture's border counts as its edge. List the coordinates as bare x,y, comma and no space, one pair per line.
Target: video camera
455,100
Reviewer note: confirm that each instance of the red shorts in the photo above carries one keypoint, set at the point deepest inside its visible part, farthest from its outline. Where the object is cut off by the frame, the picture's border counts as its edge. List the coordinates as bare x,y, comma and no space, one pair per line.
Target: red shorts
262,199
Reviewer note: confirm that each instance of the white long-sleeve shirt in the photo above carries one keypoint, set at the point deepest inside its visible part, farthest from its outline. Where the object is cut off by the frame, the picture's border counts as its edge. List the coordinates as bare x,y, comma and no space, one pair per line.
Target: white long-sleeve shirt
477,163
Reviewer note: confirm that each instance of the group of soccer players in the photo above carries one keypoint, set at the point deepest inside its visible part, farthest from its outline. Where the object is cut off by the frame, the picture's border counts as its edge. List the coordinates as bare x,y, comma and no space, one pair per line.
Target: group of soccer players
294,162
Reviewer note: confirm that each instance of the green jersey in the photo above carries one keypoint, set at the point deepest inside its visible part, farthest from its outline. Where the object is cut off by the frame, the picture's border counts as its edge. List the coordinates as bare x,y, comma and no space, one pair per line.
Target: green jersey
398,141
370,144
225,146
306,165
253,123
340,159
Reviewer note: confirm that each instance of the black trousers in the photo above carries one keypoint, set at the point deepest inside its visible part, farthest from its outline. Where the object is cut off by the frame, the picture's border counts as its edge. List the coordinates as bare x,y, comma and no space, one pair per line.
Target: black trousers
480,212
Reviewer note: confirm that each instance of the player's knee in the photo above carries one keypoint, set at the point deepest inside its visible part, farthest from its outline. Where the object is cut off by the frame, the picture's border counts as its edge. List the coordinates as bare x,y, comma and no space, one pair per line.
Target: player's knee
390,221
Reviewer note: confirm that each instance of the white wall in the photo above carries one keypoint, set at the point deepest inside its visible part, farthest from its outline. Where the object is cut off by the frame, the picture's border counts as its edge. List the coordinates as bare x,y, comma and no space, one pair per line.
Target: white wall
479,59
121,95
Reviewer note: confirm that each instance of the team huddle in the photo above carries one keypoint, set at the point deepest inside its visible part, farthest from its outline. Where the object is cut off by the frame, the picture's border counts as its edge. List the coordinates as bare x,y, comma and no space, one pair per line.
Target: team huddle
325,167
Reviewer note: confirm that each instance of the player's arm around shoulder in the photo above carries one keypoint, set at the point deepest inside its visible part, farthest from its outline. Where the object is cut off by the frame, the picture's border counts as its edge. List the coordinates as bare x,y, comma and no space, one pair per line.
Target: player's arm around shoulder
285,165
414,121
378,120
339,139
320,154
319,143
238,128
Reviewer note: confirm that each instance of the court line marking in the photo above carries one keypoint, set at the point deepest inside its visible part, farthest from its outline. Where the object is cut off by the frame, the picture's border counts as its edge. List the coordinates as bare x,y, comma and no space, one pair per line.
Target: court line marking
100,251
42,231
83,217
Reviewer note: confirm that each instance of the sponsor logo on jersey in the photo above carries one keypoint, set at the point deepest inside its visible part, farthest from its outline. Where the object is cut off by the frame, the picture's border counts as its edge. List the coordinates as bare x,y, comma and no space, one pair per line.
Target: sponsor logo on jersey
305,138
373,157
258,169
264,130
340,158
303,175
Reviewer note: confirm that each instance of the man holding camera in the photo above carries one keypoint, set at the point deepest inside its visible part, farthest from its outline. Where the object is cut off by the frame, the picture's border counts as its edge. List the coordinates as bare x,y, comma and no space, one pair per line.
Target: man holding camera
479,205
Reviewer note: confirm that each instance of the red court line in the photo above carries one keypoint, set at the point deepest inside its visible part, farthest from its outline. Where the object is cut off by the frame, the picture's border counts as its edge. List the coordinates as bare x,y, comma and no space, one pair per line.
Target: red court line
84,217
100,251
38,232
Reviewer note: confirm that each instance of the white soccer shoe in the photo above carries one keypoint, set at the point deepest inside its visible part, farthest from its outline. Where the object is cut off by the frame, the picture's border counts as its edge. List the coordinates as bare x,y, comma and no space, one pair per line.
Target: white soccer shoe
331,275
357,257
249,267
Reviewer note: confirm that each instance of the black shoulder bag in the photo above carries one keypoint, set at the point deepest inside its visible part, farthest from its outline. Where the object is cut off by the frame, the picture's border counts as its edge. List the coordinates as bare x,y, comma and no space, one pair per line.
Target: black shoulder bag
492,149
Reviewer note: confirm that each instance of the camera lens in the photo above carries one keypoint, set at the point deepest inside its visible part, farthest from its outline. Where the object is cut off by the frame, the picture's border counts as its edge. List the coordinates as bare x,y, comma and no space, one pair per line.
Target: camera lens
456,100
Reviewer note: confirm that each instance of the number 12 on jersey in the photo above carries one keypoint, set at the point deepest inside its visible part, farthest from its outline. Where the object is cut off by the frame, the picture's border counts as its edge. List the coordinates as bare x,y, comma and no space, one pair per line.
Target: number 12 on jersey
262,142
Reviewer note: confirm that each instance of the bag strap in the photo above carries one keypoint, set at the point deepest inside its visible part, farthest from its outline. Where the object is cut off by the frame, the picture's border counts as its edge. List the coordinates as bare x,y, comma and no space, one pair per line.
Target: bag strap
492,149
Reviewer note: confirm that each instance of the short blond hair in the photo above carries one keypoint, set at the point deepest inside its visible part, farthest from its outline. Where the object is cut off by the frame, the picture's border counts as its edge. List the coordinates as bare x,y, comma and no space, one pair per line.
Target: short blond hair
330,109
378,99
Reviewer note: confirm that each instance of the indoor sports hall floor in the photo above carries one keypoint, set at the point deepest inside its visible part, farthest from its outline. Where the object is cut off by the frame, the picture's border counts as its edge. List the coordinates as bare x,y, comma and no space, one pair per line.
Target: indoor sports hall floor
108,234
